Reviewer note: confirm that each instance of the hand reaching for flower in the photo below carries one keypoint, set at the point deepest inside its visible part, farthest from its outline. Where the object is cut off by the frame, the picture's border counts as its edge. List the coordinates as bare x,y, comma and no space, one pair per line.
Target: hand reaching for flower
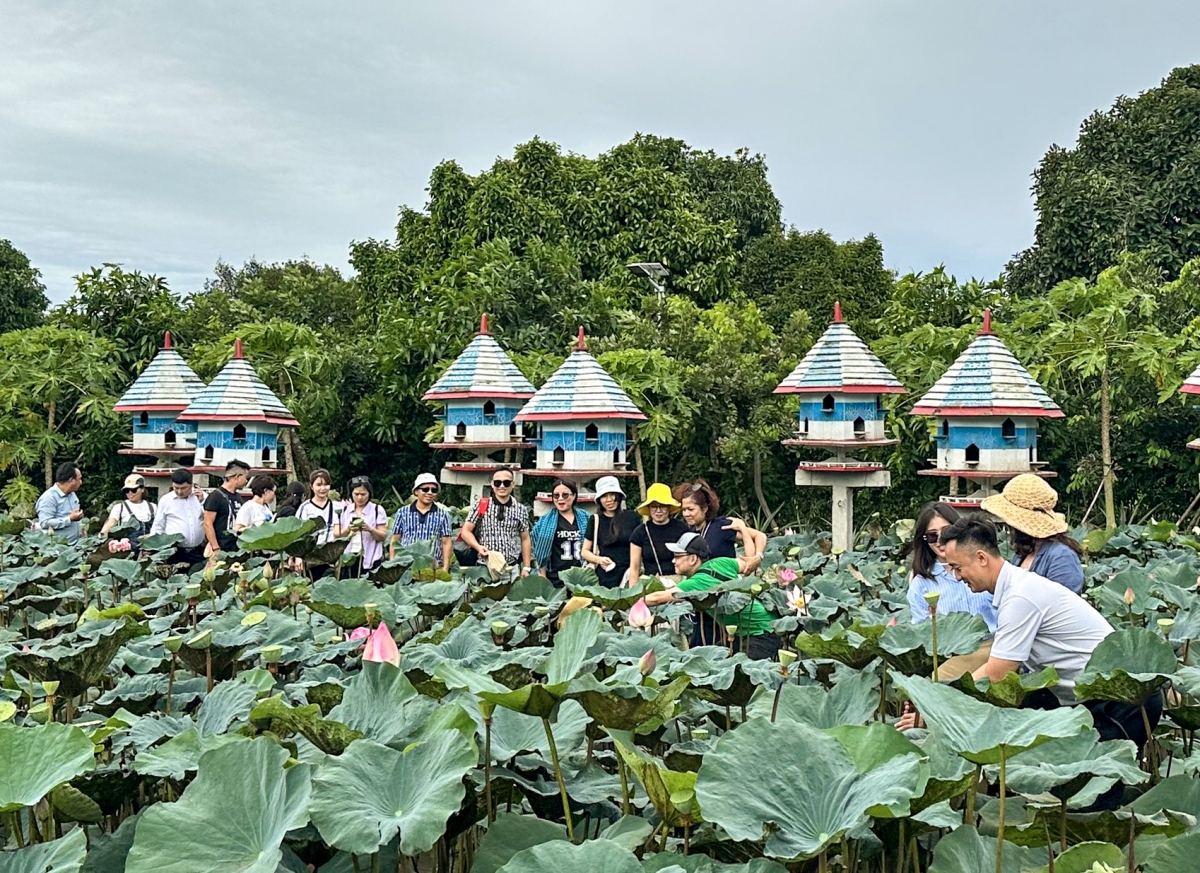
910,718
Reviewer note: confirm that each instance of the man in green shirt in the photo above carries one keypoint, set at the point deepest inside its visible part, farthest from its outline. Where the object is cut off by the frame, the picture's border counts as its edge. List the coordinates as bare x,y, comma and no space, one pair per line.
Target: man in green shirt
701,573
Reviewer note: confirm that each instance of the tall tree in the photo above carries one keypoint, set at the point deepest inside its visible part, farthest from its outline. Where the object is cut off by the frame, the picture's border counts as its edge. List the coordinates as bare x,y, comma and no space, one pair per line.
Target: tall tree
1130,183
22,296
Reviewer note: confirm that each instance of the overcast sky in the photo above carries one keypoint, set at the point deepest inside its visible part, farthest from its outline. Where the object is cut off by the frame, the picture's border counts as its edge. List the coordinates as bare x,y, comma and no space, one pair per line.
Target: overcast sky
166,136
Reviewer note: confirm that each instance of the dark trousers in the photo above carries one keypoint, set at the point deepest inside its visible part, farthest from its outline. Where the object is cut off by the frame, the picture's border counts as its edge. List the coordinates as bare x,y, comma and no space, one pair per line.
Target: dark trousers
190,556
760,647
1113,721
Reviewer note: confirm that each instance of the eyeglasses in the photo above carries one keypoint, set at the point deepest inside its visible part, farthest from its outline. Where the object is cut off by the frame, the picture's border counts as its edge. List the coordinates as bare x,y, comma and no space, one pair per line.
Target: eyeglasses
656,506
564,495
932,536
428,490
502,483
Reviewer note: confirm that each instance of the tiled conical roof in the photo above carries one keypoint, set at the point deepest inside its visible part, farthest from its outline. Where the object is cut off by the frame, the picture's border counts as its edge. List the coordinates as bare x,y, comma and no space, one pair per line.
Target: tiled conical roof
987,379
1192,384
580,388
238,394
166,385
840,361
483,369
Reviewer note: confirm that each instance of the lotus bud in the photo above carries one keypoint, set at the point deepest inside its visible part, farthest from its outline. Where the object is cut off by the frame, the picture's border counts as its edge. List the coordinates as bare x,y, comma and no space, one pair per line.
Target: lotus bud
1166,625
201,640
640,615
210,573
381,647
787,576
487,708
173,644
892,623
648,662
267,572
787,657
272,654
1130,597
294,596
359,633
699,734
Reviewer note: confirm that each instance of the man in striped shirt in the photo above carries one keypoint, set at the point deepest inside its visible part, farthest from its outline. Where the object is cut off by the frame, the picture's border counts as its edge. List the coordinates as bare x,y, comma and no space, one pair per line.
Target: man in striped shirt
423,521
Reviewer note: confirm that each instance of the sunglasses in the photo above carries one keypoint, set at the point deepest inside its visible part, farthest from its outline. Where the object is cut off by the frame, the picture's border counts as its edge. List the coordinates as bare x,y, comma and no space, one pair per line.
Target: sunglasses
655,506
932,537
359,480
502,483
563,496
428,490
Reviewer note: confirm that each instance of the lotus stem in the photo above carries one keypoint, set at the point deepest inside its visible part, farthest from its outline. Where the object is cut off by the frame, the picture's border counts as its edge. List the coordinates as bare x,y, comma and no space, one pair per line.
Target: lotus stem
778,692
1131,863
933,619
16,829
562,786
969,815
883,690
170,683
487,767
1062,827
687,837
1150,762
354,862
375,863
208,668
1000,826
624,784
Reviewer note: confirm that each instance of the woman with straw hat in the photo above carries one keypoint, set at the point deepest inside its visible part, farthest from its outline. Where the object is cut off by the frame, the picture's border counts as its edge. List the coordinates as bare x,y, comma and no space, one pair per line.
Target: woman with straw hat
1038,533
648,552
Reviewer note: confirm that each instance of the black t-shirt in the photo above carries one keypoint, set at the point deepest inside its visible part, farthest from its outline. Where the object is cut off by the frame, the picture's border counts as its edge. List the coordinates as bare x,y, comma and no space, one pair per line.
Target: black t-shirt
653,540
625,522
722,543
565,551
225,505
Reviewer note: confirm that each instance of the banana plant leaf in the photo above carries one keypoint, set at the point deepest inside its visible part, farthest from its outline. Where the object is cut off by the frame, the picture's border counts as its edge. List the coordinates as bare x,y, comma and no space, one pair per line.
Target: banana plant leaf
59,856
1128,666
224,820
369,793
983,733
33,760
796,787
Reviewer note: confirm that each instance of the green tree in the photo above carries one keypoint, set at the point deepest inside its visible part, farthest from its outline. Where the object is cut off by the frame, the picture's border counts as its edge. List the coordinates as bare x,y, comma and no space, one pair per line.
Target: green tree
54,386
22,296
1130,183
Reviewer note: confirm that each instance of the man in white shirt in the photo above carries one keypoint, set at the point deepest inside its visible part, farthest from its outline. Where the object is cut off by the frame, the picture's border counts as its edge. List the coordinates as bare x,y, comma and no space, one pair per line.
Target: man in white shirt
182,512
1039,624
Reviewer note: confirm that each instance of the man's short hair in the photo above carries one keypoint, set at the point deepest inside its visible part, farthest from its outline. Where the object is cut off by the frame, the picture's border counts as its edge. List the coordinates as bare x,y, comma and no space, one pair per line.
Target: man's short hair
181,476
972,532
65,472
235,467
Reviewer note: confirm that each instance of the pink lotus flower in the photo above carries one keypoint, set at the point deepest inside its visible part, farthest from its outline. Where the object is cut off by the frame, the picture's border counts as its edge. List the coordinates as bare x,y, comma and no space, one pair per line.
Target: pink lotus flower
1129,597
381,647
648,662
118,546
892,623
359,633
640,615
795,599
787,576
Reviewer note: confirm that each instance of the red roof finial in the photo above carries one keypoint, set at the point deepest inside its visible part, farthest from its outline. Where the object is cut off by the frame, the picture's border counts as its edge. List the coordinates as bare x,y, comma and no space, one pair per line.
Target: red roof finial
483,328
986,330
167,340
580,345
237,349
837,312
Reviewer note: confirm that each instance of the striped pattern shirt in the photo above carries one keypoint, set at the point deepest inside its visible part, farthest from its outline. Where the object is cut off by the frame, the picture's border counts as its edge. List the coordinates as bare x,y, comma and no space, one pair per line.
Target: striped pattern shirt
413,526
955,597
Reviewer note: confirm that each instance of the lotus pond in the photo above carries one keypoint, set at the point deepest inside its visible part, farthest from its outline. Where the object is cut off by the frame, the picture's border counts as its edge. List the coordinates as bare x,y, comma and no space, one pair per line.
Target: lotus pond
227,722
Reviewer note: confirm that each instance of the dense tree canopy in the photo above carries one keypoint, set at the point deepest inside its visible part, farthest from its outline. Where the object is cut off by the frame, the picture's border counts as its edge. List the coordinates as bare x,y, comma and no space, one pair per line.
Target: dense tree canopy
22,295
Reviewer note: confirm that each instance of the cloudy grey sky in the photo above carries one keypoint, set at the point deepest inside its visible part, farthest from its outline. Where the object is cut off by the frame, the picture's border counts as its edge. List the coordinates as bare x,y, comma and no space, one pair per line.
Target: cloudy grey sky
166,136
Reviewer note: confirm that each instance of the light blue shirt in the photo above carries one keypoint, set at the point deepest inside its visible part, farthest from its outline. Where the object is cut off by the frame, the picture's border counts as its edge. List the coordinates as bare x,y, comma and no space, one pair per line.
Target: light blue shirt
54,510
955,596
1059,563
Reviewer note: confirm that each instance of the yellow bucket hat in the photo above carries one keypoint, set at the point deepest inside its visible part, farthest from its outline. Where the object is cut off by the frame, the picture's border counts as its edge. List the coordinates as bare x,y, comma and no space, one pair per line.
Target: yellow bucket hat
1027,504
660,494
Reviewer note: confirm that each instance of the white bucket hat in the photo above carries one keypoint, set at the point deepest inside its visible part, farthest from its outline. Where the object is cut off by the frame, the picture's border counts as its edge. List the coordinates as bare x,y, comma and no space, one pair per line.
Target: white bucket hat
608,485
425,479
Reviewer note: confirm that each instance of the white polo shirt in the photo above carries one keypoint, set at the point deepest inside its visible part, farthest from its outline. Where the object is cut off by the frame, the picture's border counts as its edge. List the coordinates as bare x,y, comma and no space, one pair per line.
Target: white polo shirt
1043,624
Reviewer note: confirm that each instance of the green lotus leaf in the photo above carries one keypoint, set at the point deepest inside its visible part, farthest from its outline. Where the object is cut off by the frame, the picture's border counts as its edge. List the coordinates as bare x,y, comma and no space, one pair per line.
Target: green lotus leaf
705,864
382,704
582,582
181,754
514,733
1099,827
71,804
1177,855
965,850
1079,767
908,646
1009,691
432,599
277,535
33,760
593,856
807,792
1174,794
125,570
107,853
871,746
77,660
672,792
851,701
59,856
227,703
511,833
723,679
371,792
1110,597
855,646
1128,666
391,571
1083,857
330,737
624,706
982,733
629,831
224,820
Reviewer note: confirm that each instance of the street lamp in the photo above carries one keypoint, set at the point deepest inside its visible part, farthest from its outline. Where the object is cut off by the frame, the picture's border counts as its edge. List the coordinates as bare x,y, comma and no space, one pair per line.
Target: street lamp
654,271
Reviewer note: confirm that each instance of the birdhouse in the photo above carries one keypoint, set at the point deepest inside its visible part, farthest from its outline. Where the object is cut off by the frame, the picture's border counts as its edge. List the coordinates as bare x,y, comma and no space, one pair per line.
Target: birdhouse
581,415
986,408
1192,386
237,417
841,383
481,393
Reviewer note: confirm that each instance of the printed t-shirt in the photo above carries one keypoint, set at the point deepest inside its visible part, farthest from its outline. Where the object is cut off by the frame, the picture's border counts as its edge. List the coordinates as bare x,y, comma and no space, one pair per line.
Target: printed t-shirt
565,551
653,540
252,514
327,515
225,506
751,621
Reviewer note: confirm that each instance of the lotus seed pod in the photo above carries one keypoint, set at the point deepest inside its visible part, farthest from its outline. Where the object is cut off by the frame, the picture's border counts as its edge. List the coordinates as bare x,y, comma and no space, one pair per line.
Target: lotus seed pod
7,710
499,628
731,629
756,589
487,708
253,618
541,610
173,644
932,597
51,688
40,713
272,654
786,657
279,591
1166,625
192,590
699,734
201,640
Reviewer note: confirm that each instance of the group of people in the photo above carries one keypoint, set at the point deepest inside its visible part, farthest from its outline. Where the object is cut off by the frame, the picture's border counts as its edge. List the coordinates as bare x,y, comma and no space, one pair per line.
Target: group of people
1032,603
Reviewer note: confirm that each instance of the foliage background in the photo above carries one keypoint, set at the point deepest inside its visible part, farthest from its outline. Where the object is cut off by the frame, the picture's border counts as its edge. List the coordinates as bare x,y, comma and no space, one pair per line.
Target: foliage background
540,240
